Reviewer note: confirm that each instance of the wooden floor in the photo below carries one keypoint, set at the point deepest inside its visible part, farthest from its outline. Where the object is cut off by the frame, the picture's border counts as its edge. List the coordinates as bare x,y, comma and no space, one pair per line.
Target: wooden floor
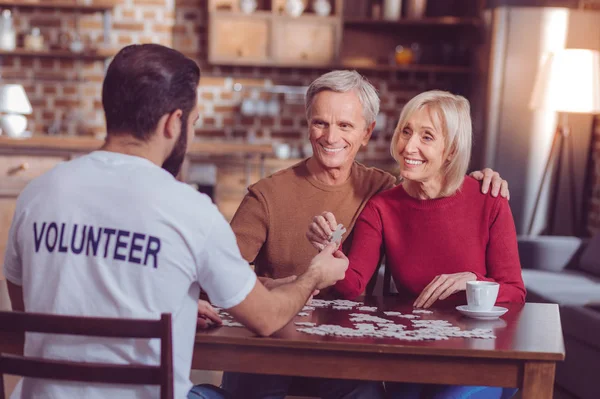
214,377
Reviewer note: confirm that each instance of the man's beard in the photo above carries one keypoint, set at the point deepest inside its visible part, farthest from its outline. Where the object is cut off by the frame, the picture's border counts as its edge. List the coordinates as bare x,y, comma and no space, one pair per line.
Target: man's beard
173,163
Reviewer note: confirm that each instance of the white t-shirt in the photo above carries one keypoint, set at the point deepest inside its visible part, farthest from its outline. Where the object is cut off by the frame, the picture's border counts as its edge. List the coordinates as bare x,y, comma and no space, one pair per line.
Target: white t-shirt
113,235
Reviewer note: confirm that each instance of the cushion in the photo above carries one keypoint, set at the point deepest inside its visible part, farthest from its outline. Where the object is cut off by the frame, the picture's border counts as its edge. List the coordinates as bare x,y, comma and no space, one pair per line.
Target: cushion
569,287
582,323
552,253
590,257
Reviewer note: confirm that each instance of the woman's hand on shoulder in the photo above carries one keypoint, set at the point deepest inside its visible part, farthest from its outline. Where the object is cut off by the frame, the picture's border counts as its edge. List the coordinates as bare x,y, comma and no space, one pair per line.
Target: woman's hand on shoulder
442,286
490,178
320,230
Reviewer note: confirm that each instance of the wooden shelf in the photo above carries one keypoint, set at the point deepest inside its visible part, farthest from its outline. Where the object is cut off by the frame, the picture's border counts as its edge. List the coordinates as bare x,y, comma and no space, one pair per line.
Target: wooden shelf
97,5
535,3
86,55
413,68
440,21
449,69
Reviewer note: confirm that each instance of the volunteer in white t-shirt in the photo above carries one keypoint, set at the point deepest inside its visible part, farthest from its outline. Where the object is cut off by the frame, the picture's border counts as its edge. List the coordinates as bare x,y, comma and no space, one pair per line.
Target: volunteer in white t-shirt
114,234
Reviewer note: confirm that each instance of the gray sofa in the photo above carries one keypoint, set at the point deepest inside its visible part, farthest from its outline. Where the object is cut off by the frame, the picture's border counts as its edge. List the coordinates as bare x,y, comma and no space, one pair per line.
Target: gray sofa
566,271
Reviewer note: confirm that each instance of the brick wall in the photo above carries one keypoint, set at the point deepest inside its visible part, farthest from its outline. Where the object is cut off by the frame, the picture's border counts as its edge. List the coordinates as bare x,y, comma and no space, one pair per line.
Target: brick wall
593,218
68,91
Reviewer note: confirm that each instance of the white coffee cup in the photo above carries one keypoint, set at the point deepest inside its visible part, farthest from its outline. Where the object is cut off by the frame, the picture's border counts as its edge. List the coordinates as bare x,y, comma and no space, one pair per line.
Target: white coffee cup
481,295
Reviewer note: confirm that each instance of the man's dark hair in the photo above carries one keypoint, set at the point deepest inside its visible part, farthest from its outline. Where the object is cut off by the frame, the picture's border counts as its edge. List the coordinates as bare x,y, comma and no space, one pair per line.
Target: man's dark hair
145,82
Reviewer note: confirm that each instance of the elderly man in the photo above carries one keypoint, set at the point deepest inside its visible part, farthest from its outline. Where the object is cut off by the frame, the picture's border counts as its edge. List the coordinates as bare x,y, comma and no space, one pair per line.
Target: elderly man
114,234
271,222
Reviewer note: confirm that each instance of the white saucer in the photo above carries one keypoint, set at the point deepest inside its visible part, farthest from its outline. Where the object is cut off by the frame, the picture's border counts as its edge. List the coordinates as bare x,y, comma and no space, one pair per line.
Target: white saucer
496,312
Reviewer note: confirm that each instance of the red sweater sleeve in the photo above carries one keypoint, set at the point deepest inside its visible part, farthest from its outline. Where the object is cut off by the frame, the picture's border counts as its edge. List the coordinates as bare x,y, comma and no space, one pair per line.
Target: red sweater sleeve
502,256
364,254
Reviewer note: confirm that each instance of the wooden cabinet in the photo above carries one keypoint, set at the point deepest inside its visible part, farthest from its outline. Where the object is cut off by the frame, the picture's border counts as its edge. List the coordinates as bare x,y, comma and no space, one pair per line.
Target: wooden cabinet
16,171
309,41
447,39
269,37
236,39
7,209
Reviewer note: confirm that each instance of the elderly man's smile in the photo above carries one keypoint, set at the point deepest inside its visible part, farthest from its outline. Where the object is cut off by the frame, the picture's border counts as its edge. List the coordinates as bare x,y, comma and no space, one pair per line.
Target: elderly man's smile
332,150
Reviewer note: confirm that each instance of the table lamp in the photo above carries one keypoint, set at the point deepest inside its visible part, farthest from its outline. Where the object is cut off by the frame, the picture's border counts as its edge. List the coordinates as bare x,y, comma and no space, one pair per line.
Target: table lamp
567,82
13,106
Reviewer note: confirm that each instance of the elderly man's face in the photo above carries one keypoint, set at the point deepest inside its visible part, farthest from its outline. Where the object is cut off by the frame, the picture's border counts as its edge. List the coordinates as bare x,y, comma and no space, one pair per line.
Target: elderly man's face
421,147
337,128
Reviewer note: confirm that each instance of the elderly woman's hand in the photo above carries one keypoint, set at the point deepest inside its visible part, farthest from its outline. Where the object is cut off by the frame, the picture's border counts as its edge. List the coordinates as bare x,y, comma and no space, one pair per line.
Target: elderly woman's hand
207,316
442,287
320,230
492,178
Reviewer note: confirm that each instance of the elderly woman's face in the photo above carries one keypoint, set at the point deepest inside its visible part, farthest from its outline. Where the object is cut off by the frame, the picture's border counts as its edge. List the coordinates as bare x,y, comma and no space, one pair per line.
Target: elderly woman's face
421,147
337,128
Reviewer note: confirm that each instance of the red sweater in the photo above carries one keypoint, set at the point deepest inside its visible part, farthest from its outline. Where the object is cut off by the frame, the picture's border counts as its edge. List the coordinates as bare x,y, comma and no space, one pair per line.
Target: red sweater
421,239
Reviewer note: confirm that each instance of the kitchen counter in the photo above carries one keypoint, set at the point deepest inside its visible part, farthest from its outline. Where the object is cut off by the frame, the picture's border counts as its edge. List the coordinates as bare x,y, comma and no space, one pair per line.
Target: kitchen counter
66,144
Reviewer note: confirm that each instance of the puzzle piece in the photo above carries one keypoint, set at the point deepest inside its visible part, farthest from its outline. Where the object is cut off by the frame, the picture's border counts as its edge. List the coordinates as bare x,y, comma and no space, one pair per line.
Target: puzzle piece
337,234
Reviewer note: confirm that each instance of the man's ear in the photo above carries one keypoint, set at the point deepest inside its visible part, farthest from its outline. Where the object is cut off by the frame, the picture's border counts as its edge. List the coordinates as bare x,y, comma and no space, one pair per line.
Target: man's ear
368,134
173,124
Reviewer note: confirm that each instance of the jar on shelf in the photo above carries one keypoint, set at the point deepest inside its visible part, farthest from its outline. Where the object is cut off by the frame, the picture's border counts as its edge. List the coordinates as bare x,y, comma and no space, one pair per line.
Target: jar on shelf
415,9
294,8
34,40
322,7
76,44
392,9
403,55
248,6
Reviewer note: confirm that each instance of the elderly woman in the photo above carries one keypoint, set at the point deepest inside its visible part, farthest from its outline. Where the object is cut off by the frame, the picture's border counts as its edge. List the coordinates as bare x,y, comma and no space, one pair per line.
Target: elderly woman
436,229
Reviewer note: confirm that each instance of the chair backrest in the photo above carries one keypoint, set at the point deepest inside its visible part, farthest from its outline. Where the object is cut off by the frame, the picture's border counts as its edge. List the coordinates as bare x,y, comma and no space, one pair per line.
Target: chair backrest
21,322
386,279
387,283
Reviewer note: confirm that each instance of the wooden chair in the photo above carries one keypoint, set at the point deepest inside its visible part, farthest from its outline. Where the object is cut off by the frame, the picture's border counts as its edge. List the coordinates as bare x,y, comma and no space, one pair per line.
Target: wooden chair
20,322
387,278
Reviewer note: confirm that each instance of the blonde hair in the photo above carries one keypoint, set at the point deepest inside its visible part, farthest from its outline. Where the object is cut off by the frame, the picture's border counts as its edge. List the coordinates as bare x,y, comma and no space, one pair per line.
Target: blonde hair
341,82
454,113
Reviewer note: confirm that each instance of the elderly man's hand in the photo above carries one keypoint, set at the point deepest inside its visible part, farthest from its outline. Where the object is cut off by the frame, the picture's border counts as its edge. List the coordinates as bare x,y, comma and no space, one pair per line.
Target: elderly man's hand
320,230
207,316
490,177
442,286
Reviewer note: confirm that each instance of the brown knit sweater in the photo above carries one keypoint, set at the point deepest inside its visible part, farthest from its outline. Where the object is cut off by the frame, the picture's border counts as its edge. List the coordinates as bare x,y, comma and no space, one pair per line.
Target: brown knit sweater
272,220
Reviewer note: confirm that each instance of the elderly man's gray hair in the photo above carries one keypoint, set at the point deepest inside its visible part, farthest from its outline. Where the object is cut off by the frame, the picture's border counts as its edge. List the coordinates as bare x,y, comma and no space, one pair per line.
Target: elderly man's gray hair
342,82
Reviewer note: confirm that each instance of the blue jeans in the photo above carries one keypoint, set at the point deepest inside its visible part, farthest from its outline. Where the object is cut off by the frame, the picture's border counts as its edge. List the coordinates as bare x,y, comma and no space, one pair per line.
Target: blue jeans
261,386
415,391
206,391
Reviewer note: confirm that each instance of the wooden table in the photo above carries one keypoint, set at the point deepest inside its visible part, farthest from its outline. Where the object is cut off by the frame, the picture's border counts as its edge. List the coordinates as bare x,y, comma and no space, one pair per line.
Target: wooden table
528,343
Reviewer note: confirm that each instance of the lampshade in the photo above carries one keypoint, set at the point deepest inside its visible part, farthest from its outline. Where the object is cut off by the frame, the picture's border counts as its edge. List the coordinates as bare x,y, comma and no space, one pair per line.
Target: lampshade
569,81
13,100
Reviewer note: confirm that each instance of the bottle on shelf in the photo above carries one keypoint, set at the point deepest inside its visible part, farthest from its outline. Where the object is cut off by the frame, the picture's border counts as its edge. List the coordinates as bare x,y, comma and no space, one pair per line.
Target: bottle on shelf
8,37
